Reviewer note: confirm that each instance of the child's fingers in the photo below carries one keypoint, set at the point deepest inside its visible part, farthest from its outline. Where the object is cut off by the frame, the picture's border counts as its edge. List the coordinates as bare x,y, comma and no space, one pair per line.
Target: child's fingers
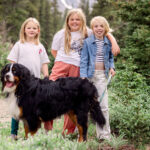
112,72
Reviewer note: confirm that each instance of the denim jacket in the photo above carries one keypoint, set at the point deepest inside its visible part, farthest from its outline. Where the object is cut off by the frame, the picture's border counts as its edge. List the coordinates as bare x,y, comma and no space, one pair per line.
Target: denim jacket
88,57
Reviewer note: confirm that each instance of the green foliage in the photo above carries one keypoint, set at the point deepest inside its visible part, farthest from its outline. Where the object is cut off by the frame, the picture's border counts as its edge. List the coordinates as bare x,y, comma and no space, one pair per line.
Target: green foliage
53,140
130,103
51,58
84,5
100,8
136,39
140,11
14,13
45,16
129,93
56,19
116,142
3,54
107,8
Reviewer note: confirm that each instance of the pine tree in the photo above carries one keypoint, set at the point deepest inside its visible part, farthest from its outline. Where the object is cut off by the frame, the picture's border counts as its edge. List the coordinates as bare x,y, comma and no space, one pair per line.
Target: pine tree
47,27
84,5
32,8
136,14
56,19
107,9
12,14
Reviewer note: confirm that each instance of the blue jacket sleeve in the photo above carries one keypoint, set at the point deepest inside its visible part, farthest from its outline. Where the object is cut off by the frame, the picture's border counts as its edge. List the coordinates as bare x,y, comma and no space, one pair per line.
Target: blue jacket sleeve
111,60
84,61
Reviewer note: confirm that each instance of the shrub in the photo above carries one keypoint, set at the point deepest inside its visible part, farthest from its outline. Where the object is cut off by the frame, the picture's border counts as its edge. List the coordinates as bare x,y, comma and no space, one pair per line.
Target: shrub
130,103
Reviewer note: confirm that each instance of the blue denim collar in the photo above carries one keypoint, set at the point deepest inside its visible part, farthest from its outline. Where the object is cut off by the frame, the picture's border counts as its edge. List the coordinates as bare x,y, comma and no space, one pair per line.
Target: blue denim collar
93,38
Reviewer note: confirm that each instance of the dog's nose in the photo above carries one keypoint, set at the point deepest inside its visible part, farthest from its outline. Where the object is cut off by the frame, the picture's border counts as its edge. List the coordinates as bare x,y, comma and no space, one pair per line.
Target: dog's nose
7,76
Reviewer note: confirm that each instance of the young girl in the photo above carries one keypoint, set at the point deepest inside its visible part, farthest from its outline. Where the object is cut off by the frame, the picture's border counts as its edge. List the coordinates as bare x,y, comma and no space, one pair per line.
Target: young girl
97,63
66,48
29,52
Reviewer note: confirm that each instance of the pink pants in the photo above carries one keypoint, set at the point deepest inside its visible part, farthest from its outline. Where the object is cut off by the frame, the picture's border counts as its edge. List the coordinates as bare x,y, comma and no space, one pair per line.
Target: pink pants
61,69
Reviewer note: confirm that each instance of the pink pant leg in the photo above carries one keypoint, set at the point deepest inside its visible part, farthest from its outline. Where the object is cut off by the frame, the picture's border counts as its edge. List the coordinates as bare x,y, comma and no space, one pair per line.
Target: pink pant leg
48,125
68,124
59,70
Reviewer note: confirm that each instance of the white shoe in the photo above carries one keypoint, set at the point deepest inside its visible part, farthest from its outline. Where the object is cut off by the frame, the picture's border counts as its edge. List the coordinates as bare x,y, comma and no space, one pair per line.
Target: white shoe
13,137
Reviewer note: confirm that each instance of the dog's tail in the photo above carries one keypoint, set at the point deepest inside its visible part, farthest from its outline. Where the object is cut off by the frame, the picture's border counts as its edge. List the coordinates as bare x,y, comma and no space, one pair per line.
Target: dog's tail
96,113
94,105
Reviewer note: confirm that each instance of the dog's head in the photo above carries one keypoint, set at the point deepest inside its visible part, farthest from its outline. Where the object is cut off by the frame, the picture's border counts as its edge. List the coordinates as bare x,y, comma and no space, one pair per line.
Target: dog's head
11,75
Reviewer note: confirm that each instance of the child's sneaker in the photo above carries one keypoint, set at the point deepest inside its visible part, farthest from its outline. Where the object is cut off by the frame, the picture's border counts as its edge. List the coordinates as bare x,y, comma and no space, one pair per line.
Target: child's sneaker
13,137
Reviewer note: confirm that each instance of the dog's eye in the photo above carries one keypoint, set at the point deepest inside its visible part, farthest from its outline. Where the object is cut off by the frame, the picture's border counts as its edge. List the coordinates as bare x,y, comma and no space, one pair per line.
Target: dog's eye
7,69
14,70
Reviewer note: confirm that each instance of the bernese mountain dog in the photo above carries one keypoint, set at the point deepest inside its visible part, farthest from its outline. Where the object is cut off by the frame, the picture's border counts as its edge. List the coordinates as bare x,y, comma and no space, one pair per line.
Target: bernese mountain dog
35,100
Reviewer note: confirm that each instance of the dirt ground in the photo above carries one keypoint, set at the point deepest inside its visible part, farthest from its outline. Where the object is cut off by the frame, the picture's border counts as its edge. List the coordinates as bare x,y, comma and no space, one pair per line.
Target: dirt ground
4,112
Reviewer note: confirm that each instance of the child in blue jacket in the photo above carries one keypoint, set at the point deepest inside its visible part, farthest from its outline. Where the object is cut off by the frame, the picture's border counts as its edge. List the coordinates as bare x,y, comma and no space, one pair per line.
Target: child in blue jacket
96,64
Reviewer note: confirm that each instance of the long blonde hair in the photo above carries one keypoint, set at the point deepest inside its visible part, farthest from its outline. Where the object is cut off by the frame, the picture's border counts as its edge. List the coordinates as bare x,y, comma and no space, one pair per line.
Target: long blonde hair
83,27
22,30
102,20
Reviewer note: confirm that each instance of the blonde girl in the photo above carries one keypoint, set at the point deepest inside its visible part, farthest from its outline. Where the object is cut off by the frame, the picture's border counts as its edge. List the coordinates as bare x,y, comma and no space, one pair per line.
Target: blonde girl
96,64
23,31
66,48
29,52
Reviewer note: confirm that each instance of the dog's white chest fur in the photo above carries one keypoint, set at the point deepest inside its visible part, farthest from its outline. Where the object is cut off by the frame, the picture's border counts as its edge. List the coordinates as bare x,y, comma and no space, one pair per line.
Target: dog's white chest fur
13,106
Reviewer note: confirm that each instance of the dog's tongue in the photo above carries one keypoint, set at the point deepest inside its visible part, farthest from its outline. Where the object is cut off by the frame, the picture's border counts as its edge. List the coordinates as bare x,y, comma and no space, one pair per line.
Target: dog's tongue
9,84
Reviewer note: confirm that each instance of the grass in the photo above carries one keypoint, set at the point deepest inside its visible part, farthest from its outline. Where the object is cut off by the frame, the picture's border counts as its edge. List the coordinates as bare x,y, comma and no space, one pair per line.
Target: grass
117,142
53,140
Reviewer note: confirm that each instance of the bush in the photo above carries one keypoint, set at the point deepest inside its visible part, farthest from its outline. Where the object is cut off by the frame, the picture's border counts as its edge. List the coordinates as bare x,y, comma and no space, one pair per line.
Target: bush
4,50
130,103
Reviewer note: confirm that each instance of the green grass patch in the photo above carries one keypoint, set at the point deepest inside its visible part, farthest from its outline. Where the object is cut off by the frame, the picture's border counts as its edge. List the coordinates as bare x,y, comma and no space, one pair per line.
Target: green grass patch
51,141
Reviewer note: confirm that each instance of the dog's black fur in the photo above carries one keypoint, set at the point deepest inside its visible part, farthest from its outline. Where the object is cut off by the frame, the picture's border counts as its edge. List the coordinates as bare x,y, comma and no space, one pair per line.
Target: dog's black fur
43,100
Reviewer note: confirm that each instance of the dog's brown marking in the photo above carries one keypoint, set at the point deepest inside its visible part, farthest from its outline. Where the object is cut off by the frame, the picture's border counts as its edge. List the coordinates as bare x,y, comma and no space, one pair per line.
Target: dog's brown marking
39,126
80,129
33,132
21,112
41,119
16,80
95,98
73,117
7,69
26,129
13,69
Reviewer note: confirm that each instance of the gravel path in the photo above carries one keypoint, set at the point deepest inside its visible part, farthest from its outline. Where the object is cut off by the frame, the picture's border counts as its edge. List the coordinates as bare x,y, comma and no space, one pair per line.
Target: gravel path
4,112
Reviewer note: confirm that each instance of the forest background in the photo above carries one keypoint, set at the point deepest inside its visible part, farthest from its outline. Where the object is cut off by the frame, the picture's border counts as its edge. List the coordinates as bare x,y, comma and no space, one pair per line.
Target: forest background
129,91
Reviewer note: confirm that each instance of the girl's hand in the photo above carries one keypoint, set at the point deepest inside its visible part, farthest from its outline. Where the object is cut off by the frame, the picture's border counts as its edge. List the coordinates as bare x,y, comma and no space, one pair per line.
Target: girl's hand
45,70
112,72
115,46
115,49
54,53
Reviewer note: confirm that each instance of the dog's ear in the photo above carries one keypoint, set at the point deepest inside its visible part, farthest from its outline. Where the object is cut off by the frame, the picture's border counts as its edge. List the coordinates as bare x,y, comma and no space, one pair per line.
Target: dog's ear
25,80
2,75
24,72
2,78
